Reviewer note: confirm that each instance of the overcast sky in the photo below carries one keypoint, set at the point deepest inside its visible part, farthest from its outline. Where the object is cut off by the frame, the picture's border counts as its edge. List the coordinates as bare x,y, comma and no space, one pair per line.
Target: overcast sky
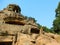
42,10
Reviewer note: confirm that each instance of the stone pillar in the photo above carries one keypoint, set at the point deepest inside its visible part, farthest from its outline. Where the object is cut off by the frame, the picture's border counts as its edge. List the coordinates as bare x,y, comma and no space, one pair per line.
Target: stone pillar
13,40
41,31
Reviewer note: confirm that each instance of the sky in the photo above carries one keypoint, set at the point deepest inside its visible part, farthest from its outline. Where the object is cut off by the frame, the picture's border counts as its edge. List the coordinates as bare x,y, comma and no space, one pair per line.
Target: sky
42,10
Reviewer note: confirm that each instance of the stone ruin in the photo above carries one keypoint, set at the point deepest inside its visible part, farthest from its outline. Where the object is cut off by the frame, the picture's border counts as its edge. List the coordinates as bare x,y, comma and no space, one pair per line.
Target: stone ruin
15,29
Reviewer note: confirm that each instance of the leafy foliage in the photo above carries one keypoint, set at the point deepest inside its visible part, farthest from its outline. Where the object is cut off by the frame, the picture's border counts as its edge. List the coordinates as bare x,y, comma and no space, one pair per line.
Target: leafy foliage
46,29
56,22
39,26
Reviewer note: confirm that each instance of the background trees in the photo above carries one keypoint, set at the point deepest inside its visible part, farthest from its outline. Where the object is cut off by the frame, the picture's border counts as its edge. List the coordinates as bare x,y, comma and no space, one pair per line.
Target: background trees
56,22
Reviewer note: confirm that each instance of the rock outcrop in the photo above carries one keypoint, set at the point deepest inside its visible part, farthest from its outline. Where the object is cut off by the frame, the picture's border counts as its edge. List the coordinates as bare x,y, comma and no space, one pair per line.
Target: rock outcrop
15,29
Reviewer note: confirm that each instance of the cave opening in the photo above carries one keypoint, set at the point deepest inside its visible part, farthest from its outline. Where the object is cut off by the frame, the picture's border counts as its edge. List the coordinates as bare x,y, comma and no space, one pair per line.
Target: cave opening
5,43
35,30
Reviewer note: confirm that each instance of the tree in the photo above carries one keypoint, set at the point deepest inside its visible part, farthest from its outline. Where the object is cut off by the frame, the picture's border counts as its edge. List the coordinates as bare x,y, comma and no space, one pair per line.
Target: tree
56,22
58,10
56,25
46,29
39,26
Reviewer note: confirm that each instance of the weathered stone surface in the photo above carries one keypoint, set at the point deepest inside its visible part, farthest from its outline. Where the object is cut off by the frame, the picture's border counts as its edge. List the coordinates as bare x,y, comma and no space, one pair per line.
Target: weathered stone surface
16,30
14,24
24,39
47,40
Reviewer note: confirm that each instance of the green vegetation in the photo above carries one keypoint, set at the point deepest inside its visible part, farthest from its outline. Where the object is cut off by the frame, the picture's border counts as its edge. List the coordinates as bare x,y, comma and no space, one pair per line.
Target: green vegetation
56,22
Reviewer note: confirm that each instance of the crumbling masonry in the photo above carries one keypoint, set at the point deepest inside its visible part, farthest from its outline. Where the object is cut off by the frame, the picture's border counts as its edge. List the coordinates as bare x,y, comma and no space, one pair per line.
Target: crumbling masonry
15,29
